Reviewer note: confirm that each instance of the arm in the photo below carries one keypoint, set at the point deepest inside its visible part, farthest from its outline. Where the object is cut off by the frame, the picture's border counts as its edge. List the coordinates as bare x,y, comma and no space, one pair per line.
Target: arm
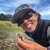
48,36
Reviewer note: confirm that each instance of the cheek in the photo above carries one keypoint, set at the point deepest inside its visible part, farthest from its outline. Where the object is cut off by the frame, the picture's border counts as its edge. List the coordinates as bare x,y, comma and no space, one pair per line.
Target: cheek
22,26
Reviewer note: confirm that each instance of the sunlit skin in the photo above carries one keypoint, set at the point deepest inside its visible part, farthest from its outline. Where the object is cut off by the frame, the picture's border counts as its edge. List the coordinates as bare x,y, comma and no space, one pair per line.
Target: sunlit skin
30,24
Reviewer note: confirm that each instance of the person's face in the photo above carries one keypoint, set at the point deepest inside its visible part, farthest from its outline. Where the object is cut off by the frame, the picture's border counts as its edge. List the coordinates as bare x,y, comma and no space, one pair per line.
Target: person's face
30,23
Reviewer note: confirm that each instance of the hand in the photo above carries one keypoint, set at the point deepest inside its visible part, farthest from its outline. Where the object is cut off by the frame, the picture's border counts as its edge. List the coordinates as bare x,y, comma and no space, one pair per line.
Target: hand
28,45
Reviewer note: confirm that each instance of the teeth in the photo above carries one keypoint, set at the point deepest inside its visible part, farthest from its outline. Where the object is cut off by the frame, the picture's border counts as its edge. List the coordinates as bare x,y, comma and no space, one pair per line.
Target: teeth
29,26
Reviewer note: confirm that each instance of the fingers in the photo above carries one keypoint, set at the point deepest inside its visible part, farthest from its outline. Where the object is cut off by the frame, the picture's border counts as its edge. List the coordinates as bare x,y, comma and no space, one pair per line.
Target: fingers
28,42
23,44
28,45
18,47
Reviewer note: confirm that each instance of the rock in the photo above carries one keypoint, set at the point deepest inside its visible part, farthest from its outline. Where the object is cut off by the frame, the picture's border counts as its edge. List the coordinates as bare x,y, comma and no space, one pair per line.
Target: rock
8,40
3,35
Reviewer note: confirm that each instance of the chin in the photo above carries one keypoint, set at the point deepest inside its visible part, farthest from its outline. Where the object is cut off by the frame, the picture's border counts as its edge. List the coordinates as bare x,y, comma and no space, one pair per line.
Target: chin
30,31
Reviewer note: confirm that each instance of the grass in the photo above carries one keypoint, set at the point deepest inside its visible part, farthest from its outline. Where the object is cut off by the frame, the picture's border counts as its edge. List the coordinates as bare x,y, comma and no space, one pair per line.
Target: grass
12,29
8,26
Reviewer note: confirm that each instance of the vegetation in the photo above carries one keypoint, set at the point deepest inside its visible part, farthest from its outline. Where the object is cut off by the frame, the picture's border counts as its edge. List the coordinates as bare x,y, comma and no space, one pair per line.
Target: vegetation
5,23
4,17
8,33
8,26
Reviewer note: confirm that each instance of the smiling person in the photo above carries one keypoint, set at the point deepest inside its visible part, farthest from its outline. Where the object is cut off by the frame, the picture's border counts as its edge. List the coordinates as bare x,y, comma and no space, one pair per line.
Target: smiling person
36,28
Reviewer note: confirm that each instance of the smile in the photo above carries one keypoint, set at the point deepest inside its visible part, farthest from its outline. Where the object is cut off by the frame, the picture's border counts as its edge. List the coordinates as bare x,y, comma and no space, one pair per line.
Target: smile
28,26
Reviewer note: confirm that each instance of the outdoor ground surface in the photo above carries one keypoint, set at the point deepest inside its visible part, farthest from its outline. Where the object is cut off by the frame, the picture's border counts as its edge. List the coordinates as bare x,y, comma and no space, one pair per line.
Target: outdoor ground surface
8,35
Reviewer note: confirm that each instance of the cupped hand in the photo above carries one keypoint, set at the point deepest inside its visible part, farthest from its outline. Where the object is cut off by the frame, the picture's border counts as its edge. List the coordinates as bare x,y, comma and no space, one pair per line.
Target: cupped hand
25,44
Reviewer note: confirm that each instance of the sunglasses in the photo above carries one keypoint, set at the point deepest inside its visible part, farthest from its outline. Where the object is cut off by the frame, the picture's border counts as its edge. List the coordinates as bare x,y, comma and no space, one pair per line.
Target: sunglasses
26,16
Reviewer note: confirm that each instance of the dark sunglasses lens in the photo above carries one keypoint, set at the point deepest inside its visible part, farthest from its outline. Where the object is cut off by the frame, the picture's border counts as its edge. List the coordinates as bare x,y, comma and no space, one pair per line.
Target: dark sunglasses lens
26,16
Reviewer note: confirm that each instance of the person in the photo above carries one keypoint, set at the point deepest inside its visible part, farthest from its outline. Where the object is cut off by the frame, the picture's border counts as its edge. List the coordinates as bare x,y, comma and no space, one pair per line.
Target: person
35,27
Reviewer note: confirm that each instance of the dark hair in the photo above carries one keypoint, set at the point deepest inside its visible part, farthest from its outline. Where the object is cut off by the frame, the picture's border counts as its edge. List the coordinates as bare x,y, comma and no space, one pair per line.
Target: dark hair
39,16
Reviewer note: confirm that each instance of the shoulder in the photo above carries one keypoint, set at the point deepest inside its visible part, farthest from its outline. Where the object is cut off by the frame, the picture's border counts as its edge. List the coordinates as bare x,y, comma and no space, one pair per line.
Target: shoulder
48,34
48,31
46,21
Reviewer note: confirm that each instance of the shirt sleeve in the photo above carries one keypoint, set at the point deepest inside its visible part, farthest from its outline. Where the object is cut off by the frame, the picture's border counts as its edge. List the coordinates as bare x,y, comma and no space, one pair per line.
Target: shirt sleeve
48,34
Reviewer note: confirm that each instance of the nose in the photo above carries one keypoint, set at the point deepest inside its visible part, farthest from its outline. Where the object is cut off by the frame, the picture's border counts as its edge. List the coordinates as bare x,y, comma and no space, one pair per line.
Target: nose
25,21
